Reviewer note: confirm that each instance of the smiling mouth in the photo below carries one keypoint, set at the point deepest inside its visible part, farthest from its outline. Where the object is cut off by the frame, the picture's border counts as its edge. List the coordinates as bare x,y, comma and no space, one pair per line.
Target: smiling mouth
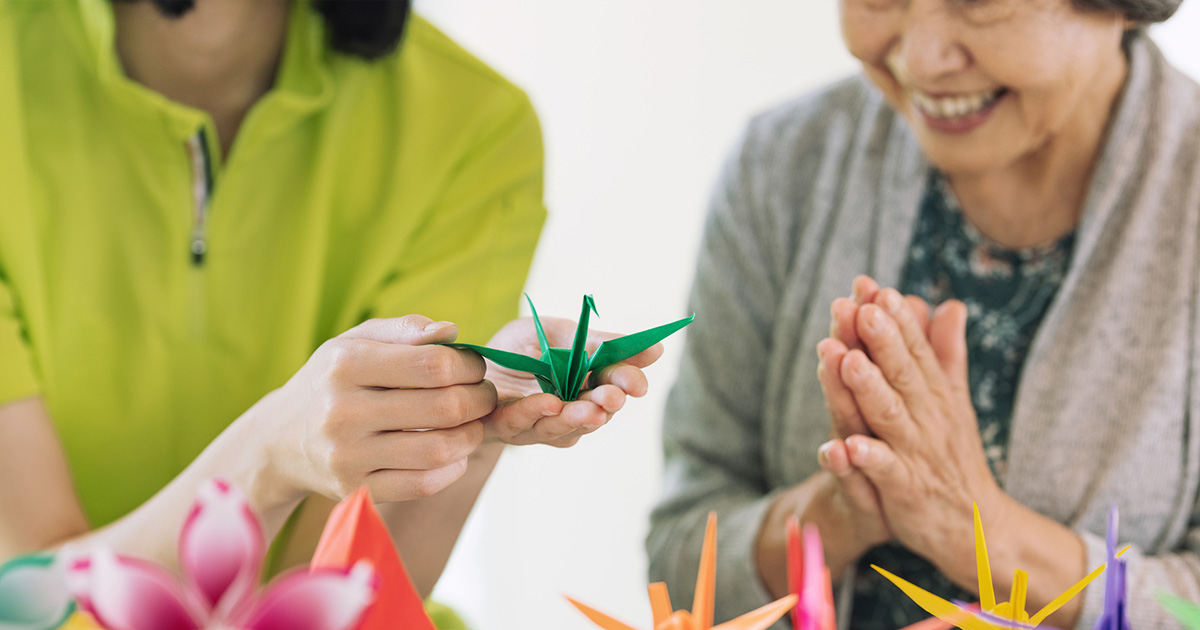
957,106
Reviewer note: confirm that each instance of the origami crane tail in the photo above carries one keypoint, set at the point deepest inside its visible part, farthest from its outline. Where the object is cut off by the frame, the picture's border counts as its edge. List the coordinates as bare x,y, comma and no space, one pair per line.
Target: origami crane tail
761,618
621,348
937,606
706,579
1186,612
599,618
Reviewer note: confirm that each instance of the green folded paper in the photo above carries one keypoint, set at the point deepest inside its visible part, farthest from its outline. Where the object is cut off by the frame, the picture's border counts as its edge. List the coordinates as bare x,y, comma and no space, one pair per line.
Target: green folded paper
1181,609
563,371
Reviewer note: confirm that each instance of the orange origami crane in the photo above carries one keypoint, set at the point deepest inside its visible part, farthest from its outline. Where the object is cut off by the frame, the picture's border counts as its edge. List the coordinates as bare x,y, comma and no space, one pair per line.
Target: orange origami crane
992,616
356,532
701,616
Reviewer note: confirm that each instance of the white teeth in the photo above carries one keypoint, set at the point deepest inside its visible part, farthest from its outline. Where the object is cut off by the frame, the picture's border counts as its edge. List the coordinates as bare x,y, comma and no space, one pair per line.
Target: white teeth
953,106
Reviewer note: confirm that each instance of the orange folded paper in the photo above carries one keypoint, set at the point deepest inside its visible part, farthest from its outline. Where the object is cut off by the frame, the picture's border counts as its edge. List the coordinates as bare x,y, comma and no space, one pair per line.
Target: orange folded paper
701,615
356,532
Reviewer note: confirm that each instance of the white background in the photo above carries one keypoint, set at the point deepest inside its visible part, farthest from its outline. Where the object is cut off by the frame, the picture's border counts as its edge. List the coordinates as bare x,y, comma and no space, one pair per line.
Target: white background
639,101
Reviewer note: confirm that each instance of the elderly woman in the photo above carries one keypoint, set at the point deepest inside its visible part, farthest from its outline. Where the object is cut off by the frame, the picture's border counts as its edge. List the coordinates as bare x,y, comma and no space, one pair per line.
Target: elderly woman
1030,167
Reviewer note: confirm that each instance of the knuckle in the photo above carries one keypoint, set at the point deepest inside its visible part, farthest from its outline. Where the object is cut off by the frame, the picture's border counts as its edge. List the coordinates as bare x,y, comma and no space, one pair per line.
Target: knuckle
439,450
904,375
450,404
342,357
438,364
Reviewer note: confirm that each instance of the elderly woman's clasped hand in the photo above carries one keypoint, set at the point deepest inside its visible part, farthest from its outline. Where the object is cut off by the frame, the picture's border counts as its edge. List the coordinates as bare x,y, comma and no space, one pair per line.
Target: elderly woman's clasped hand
907,450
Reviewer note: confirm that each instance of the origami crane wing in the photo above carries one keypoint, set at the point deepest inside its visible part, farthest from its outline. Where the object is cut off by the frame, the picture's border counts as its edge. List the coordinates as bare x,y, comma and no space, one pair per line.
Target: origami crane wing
599,618
621,348
1186,612
760,618
938,607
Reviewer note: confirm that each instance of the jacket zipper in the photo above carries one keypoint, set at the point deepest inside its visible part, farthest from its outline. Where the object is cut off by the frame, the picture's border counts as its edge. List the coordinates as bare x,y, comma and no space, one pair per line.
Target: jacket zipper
202,187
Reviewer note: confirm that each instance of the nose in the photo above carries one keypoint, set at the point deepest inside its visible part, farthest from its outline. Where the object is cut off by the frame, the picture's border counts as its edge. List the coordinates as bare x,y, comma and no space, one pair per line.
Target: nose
929,46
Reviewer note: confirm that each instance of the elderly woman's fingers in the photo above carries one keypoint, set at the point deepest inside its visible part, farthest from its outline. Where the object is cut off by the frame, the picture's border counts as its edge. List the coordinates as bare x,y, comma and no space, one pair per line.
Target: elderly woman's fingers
883,410
948,338
863,289
842,313
878,462
839,401
834,458
890,352
912,330
920,310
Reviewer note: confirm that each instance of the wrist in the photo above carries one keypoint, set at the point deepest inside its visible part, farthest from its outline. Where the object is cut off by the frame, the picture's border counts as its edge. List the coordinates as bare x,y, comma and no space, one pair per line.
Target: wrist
250,453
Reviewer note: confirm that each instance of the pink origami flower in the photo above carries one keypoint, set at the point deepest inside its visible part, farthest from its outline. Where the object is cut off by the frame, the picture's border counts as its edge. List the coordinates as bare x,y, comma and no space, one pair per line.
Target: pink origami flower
220,553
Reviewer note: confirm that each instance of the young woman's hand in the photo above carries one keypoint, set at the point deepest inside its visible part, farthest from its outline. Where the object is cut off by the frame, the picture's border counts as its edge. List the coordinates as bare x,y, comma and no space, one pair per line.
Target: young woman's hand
525,415
378,406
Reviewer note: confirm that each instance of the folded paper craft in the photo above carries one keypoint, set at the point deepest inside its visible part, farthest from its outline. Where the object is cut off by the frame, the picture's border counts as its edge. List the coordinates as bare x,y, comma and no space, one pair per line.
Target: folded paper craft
221,549
354,533
33,594
992,615
808,579
1181,609
563,371
1114,616
701,615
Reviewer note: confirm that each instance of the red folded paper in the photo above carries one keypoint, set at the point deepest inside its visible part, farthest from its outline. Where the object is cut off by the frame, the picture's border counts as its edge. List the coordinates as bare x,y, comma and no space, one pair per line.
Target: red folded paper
354,532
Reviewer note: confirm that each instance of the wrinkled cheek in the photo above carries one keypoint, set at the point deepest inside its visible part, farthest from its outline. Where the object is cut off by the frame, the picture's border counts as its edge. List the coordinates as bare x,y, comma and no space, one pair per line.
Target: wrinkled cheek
869,36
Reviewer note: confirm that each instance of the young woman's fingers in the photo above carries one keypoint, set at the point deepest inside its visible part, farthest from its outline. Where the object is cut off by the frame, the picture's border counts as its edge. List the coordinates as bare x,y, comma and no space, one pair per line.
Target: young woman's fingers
882,408
405,485
610,398
839,401
412,409
514,417
629,379
418,450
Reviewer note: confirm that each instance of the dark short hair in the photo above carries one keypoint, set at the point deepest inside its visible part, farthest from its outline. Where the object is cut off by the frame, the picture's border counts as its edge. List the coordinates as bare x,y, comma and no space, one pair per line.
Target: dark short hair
368,29
1141,11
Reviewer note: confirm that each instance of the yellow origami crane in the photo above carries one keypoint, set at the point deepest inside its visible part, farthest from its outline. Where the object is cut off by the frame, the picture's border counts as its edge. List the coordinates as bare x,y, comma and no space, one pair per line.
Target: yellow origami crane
992,616
701,616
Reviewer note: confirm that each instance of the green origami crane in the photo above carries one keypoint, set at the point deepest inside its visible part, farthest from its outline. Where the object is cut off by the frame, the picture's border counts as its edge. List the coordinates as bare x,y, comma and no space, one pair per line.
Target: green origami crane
562,371
1186,612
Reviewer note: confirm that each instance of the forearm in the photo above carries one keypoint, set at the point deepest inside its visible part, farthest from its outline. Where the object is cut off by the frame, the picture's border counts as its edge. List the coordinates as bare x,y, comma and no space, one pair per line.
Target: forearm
425,530
813,501
151,531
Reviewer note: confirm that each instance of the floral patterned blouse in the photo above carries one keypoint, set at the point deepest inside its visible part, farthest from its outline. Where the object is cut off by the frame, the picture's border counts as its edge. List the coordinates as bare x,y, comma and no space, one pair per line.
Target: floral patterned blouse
1007,291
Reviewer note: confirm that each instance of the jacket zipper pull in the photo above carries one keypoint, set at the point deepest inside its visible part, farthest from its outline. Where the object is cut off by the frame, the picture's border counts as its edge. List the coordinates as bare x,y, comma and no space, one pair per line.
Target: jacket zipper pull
201,195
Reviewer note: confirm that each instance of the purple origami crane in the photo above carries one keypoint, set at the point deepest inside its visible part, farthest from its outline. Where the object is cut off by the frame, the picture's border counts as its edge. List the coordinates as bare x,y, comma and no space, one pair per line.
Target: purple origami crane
1114,617
220,553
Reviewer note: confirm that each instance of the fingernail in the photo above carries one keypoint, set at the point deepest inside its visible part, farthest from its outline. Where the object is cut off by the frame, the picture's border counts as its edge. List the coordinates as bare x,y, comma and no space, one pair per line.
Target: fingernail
875,319
891,302
823,452
436,326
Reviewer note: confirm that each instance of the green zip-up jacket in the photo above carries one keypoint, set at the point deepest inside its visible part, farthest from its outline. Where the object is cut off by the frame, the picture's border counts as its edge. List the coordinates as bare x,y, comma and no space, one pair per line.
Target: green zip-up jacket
151,292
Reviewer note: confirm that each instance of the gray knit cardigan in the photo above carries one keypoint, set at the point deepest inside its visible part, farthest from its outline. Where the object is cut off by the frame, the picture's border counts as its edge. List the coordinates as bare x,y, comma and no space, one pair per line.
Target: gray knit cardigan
827,187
